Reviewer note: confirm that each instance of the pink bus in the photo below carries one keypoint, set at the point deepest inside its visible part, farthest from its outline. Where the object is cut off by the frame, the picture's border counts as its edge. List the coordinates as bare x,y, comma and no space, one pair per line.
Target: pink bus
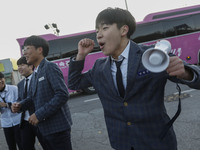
180,26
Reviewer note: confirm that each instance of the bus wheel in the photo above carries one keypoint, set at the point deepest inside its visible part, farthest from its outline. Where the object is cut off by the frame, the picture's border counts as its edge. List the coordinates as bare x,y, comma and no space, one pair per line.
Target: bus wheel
89,90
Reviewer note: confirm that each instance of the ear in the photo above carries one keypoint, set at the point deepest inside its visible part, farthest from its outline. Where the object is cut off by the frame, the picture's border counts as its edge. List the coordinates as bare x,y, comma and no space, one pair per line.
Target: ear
40,50
124,30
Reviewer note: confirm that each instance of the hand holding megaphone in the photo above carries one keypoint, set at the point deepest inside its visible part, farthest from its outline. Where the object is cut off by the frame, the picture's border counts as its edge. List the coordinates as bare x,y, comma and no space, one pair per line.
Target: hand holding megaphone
157,59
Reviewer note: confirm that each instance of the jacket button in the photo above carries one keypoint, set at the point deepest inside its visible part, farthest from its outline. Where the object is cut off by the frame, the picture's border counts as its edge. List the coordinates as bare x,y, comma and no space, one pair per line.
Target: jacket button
125,104
128,123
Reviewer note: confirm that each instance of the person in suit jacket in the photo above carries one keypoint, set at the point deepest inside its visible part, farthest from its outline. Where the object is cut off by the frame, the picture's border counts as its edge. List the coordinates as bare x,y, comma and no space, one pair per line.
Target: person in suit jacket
136,118
27,130
49,94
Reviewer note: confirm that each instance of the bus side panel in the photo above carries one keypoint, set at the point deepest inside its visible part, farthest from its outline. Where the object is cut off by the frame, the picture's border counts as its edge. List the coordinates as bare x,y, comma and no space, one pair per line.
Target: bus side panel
186,47
63,64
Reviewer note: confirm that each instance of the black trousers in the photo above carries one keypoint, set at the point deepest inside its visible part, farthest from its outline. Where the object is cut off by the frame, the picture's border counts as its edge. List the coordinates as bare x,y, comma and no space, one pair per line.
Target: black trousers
28,135
59,141
13,138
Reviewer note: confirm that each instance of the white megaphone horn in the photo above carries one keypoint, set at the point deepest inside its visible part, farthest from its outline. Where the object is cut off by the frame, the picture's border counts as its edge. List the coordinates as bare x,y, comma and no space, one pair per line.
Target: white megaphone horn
157,59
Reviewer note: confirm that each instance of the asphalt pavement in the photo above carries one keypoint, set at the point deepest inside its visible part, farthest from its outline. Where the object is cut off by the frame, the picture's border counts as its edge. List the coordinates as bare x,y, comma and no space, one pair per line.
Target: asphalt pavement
89,130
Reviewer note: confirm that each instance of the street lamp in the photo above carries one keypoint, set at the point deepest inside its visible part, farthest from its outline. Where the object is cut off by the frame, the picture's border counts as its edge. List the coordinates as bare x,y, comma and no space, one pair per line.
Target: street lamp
126,5
54,27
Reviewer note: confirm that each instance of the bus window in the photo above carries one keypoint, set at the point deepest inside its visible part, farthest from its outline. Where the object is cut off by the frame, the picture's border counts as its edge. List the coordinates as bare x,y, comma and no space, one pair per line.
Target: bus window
66,47
178,26
182,29
196,19
54,48
148,32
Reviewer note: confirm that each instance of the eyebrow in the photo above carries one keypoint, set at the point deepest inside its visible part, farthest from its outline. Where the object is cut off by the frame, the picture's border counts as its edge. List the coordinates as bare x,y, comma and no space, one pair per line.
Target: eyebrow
101,24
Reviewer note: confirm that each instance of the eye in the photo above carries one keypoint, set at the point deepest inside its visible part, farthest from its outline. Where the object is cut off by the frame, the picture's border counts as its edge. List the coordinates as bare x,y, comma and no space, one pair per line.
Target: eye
105,28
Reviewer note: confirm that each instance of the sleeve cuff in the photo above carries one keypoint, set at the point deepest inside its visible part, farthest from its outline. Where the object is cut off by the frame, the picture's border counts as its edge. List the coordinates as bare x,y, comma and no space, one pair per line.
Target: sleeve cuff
193,80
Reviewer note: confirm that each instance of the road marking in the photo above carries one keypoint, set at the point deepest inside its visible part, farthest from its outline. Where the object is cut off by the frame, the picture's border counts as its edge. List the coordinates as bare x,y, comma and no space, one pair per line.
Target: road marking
186,91
89,100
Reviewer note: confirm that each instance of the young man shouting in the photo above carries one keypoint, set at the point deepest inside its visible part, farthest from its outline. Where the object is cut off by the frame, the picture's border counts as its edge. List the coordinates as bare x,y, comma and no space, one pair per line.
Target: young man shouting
133,105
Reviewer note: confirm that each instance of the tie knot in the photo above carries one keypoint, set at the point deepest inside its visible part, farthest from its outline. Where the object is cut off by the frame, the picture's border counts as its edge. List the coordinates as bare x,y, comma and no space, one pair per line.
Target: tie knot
27,80
118,63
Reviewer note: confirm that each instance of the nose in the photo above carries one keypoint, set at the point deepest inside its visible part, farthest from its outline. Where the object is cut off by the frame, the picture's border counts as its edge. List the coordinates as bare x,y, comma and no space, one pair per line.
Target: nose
24,52
99,35
19,68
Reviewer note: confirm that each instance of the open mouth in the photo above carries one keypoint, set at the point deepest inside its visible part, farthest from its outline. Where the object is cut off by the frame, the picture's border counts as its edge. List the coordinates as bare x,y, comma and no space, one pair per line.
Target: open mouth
101,45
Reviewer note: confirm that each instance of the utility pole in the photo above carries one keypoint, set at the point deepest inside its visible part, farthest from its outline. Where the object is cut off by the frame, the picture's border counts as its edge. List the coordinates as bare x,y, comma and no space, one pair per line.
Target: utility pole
126,5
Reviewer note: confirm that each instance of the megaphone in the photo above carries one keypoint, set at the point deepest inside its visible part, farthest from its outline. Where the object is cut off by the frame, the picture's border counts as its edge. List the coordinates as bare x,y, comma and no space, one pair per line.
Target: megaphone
157,59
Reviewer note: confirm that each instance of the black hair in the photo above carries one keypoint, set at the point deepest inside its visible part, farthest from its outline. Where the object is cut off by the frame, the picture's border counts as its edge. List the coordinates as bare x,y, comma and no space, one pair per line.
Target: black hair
22,60
37,42
1,75
119,16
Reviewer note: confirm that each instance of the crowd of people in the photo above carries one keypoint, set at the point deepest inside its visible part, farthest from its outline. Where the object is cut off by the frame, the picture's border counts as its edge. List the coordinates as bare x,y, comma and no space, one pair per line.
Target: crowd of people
133,105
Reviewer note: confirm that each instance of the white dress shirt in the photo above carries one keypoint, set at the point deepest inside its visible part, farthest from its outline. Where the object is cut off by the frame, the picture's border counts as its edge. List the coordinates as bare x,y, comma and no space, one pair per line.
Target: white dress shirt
9,119
36,69
123,67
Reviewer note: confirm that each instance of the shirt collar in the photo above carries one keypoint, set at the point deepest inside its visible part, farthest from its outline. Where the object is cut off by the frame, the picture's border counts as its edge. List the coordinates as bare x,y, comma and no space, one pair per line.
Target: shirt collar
36,69
124,54
29,77
6,88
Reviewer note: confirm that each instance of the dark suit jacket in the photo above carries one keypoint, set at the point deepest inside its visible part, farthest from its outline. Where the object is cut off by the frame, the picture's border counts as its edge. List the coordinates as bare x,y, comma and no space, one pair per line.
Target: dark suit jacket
49,94
138,119
21,89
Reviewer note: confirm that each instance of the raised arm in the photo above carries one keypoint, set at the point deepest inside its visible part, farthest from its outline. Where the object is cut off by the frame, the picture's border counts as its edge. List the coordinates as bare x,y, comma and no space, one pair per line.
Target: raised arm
77,80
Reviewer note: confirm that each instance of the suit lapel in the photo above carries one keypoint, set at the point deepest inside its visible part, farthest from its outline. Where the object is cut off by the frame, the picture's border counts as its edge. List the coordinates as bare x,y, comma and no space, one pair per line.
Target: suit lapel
34,83
22,88
35,77
133,64
109,77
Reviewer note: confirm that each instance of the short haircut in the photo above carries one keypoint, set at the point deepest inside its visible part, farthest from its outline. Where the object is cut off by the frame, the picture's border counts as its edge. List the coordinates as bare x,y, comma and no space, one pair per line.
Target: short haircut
1,75
119,16
37,42
22,60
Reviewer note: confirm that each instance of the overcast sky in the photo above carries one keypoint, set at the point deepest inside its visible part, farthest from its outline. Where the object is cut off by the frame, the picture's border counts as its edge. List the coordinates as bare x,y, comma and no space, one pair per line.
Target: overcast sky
23,18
